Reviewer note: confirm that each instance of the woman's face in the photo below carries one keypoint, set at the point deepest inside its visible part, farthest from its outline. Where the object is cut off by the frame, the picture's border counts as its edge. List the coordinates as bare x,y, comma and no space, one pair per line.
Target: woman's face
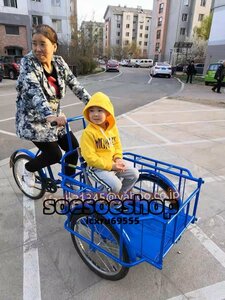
43,48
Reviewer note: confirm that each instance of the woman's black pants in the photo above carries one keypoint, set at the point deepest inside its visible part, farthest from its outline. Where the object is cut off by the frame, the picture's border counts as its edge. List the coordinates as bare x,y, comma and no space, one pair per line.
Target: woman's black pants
51,154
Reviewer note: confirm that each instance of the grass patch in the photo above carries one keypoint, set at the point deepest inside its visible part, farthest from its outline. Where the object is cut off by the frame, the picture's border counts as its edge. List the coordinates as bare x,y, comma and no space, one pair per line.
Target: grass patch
195,79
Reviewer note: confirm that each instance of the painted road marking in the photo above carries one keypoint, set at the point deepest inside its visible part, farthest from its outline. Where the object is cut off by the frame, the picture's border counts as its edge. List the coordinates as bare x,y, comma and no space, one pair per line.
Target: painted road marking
211,292
147,129
31,272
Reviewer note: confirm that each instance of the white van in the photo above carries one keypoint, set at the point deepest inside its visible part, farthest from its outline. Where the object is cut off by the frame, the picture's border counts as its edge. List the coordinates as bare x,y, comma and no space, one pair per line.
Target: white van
144,63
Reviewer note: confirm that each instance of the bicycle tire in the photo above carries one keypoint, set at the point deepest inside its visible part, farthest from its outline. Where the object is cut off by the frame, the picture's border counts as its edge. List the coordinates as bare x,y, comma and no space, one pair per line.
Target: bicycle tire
167,192
109,269
34,193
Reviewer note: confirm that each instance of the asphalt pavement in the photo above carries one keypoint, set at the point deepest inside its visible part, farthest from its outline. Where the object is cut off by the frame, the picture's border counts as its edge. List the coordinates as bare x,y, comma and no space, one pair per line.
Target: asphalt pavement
37,257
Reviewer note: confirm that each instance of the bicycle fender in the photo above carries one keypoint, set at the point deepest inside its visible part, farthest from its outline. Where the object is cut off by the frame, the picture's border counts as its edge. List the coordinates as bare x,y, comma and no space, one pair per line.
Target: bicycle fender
22,150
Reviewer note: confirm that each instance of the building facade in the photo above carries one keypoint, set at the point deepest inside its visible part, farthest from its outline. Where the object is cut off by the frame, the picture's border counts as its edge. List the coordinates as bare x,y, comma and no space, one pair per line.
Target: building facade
216,43
173,25
92,33
17,17
124,26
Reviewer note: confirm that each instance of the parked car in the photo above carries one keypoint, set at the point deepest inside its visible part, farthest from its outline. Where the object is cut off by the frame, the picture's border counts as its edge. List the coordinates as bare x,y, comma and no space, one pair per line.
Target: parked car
144,63
180,67
11,65
162,69
123,63
132,62
1,71
199,68
210,74
112,65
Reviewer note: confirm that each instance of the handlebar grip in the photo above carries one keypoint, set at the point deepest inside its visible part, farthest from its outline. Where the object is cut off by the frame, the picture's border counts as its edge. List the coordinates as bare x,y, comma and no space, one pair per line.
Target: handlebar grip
54,123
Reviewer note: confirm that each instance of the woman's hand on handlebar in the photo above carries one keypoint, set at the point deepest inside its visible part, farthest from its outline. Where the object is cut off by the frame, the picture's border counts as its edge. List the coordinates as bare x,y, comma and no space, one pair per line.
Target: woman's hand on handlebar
60,120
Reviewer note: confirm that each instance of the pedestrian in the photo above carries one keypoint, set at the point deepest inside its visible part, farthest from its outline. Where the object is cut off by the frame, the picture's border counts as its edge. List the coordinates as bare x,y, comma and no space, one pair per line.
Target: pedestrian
219,76
41,85
101,148
190,71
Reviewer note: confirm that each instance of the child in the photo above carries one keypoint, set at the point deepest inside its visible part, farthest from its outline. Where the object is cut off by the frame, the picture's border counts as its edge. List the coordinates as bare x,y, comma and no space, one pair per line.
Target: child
101,147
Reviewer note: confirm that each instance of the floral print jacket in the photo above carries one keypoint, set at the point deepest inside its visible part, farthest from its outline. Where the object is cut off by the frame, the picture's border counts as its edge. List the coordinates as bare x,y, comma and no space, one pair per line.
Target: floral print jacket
35,96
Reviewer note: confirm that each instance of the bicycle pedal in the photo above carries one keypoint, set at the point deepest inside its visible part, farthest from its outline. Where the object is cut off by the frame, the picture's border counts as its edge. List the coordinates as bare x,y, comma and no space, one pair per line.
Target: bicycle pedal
49,185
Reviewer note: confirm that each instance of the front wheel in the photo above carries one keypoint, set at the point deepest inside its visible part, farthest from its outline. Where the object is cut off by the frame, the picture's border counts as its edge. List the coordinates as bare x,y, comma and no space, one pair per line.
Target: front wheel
18,167
106,237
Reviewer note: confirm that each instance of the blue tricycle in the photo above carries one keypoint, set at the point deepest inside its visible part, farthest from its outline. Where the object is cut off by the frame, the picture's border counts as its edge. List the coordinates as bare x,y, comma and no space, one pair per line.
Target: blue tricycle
112,234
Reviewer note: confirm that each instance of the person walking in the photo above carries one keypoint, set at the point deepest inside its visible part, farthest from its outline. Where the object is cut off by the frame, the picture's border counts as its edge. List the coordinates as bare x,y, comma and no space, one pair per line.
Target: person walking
219,76
190,71
41,85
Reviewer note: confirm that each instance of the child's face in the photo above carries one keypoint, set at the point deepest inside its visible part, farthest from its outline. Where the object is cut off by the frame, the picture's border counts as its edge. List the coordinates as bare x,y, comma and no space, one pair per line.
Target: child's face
97,115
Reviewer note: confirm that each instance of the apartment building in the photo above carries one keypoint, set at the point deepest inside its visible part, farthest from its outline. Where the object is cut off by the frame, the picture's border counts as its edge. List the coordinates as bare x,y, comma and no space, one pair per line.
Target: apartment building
92,32
216,43
125,25
173,24
18,16
14,27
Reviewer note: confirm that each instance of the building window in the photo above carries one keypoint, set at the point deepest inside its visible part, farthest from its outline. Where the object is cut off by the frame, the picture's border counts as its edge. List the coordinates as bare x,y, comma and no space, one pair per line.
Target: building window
57,25
157,47
56,2
146,36
141,26
203,3
117,42
200,17
140,43
161,8
36,0
146,27
118,33
140,35
128,17
184,17
182,31
160,21
126,42
11,29
36,20
118,25
158,34
127,34
11,3
127,25
145,43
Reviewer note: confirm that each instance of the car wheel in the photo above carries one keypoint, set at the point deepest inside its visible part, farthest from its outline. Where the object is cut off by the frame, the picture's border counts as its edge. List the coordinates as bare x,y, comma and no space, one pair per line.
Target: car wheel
169,76
12,74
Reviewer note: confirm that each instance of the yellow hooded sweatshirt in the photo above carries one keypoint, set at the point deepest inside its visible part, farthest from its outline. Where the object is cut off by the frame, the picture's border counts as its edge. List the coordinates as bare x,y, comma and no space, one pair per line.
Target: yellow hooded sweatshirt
100,147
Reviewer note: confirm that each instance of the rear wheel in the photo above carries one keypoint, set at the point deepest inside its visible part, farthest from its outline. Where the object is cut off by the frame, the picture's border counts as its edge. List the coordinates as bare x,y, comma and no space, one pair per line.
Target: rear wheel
12,74
107,238
150,187
35,192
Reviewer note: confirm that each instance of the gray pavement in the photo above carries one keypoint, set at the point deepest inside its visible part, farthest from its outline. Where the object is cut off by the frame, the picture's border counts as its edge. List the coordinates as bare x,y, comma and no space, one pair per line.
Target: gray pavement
37,258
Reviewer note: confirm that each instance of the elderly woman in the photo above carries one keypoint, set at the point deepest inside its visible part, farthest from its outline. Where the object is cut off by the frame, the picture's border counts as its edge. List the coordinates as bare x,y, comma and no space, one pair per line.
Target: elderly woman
41,85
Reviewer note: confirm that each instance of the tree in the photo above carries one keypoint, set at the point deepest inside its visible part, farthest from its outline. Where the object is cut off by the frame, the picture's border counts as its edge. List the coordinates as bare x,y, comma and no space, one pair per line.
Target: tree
203,31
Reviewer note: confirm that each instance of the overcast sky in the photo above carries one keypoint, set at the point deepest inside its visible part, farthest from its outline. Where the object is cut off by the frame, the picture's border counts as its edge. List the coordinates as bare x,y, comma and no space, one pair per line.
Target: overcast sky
95,9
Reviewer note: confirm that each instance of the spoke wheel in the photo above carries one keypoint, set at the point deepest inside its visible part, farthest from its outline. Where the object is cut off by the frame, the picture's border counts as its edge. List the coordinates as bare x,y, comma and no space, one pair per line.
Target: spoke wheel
107,238
35,192
152,187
